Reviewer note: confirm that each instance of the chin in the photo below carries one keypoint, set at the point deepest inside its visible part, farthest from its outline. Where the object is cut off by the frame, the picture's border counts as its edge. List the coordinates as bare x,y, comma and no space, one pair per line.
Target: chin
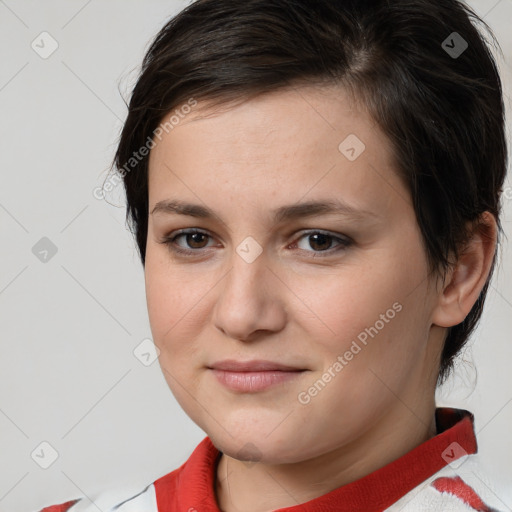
254,447
257,433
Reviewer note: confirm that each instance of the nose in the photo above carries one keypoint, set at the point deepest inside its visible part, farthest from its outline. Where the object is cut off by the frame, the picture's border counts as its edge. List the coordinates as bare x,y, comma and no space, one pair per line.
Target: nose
251,300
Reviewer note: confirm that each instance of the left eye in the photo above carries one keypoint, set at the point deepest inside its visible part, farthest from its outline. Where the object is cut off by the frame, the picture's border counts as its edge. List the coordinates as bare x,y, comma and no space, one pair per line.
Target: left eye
323,241
318,240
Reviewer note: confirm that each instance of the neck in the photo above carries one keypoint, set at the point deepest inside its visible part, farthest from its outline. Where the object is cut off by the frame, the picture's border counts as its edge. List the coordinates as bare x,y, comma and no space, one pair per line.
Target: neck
260,487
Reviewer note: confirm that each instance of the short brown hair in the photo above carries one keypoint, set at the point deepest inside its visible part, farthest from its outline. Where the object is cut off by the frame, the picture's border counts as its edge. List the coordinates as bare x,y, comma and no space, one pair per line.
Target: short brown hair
443,113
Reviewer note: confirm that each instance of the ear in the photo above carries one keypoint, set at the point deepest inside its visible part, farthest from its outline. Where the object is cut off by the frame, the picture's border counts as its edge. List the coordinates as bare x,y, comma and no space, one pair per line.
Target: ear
468,275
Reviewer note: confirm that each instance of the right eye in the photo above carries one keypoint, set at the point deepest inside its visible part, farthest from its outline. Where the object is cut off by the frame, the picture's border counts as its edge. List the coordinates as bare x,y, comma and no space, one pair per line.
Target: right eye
192,237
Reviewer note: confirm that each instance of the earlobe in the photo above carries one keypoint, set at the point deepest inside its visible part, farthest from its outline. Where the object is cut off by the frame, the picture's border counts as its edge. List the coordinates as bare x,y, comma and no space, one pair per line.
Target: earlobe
468,275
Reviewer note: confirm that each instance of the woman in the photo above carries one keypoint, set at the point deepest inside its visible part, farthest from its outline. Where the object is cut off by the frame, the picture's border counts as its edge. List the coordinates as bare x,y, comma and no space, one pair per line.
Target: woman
314,190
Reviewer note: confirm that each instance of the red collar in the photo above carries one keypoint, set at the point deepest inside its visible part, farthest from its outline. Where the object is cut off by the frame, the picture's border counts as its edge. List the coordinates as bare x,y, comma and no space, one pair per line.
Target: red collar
191,487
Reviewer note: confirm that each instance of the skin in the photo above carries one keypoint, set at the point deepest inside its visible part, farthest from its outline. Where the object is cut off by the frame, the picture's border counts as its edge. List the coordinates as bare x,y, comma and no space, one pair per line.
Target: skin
243,161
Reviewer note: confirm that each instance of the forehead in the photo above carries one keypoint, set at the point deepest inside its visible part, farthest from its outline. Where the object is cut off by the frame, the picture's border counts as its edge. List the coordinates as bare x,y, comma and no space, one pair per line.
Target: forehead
280,146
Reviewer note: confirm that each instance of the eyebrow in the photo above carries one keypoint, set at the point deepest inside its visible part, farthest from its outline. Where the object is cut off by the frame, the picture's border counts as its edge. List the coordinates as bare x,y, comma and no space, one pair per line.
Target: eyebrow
281,214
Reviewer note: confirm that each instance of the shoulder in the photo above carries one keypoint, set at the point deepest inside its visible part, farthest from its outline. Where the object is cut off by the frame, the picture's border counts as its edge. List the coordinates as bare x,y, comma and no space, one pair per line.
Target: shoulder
63,507
165,489
120,500
461,487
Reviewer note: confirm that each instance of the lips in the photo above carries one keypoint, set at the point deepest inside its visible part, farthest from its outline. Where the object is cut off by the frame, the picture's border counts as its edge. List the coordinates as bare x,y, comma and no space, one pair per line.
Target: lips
253,376
231,365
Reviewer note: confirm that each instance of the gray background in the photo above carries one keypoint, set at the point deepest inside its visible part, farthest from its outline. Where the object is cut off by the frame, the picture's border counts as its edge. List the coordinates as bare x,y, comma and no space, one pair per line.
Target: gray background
70,324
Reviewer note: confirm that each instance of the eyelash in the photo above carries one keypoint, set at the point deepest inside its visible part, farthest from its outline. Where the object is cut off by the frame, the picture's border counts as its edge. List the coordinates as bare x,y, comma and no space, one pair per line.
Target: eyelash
170,242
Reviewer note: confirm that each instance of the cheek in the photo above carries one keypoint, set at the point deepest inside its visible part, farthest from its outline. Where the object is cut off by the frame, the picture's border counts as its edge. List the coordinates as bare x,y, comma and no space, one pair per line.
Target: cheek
378,307
173,302
350,302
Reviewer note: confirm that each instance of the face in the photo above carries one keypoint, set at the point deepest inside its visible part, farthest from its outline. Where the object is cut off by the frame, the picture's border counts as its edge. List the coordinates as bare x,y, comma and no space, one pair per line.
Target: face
334,300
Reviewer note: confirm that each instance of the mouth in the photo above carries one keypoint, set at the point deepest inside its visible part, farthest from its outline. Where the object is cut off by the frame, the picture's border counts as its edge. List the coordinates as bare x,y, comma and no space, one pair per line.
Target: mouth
253,376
